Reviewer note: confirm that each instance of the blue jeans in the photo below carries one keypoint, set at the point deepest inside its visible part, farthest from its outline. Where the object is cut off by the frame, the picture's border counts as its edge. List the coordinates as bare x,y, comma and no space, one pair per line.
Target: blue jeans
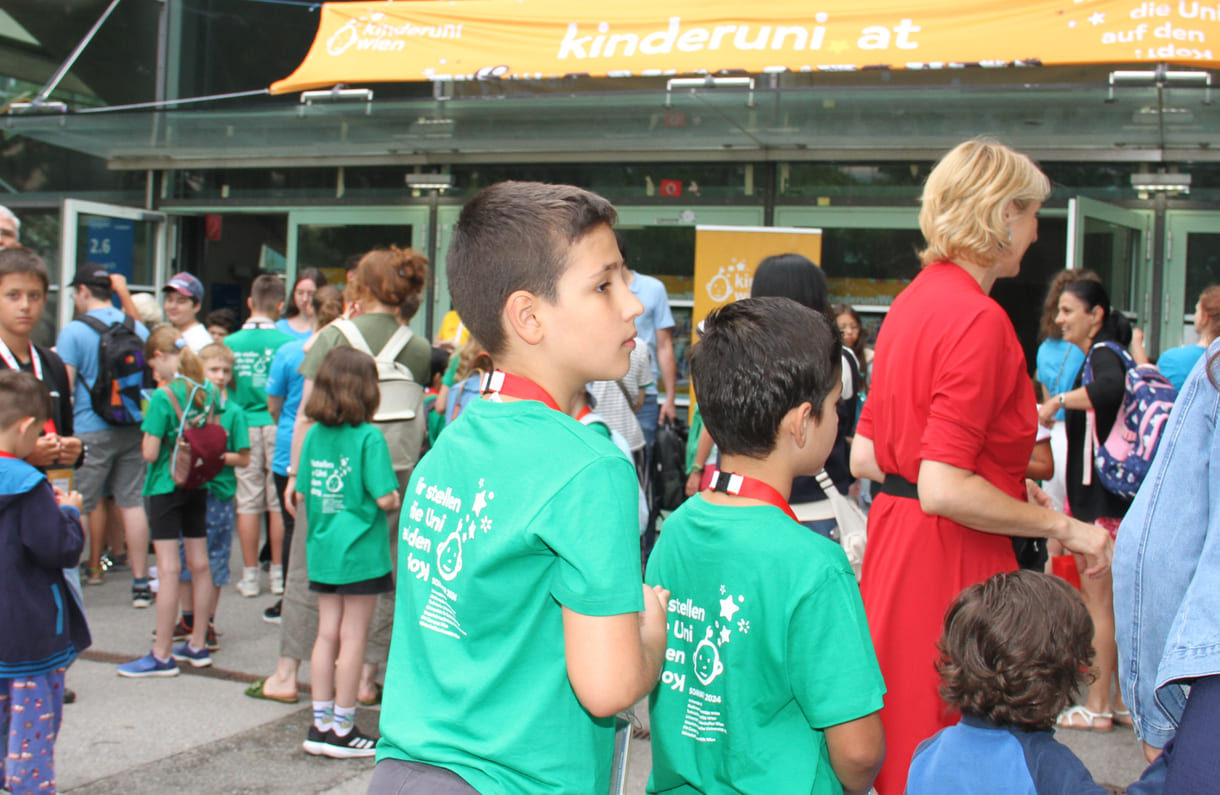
647,415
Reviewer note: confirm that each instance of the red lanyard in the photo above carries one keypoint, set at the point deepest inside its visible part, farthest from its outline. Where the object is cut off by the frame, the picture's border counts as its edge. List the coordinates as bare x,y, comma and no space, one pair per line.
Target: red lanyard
498,382
743,486
49,426
6,455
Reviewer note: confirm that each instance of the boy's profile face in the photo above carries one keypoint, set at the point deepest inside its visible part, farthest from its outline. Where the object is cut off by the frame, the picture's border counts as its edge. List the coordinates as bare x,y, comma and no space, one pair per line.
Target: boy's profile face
218,371
22,298
590,329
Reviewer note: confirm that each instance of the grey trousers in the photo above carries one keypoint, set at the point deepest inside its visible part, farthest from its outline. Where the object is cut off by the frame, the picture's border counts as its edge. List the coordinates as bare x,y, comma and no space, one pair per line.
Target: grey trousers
299,615
396,777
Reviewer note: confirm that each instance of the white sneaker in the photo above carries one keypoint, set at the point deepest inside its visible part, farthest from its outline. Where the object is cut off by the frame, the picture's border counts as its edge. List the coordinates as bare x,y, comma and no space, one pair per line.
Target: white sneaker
248,585
276,573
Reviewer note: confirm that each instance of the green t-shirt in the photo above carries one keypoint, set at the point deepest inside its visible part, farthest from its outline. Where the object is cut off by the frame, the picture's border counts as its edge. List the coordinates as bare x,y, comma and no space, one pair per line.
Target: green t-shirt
162,421
517,512
450,376
768,646
224,486
254,347
377,329
344,471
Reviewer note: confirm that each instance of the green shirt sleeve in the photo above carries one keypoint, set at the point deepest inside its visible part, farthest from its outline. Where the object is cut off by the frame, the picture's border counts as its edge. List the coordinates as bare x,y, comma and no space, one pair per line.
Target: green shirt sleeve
238,428
379,477
327,338
450,376
160,416
592,526
835,676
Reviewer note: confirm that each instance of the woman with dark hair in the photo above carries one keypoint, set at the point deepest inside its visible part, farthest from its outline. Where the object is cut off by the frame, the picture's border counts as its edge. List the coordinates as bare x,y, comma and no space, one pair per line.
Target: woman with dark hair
1058,364
947,430
298,315
1167,599
851,327
799,278
1087,321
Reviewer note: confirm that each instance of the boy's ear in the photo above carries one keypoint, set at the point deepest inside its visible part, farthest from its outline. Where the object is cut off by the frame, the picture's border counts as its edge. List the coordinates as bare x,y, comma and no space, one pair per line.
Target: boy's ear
250,304
24,424
521,315
797,421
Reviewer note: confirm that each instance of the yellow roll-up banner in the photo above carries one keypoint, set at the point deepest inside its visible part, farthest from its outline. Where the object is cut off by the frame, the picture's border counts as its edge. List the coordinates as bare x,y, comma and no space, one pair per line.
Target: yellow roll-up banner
368,42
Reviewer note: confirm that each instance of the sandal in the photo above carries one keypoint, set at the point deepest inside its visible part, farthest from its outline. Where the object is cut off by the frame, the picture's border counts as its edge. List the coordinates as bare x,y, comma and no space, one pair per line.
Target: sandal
1070,719
256,691
1123,717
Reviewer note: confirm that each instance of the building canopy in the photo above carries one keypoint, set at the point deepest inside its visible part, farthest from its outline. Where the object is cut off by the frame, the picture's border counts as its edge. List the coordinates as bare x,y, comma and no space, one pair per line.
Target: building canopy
421,40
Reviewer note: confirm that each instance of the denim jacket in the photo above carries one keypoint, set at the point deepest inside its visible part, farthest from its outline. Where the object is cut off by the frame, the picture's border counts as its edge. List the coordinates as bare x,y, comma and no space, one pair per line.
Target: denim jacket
1167,565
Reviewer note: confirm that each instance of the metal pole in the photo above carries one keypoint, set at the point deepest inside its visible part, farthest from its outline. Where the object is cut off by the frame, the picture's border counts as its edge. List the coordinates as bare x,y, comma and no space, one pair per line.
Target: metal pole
63,69
433,238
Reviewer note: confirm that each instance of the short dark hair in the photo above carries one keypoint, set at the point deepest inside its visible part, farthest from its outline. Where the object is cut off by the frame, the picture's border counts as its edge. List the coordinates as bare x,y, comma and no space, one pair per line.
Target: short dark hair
225,318
516,236
345,388
792,276
1092,293
758,359
20,259
22,395
266,293
438,363
99,292
1015,649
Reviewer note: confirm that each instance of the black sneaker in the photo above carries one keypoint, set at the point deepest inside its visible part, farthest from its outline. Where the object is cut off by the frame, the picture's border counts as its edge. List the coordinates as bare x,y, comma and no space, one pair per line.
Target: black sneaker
315,742
183,630
272,614
352,746
213,642
142,596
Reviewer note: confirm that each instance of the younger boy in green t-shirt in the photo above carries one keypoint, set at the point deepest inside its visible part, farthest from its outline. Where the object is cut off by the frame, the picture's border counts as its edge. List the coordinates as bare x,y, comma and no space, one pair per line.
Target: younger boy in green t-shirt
218,368
254,346
521,624
770,683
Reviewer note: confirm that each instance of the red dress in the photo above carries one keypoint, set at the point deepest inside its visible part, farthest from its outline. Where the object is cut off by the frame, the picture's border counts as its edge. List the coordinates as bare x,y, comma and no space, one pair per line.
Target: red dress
949,384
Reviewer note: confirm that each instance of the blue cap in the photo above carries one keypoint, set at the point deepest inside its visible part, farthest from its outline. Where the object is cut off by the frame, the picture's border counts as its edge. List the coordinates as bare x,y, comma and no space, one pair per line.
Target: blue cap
186,284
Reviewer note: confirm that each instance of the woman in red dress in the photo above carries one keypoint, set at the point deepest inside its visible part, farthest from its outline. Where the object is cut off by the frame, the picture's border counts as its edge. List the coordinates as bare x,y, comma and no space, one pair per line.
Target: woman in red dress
948,428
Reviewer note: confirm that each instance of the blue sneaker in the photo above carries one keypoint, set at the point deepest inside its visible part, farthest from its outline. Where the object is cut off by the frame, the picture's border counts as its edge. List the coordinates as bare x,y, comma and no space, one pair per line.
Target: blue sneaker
148,665
198,658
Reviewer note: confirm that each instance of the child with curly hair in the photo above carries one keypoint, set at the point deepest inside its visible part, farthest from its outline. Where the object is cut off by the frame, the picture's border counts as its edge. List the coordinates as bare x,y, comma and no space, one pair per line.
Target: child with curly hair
1015,649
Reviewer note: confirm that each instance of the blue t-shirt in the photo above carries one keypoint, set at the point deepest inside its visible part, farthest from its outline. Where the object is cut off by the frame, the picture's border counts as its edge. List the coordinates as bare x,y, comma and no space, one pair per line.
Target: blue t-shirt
655,299
1058,364
284,381
1176,363
283,325
77,346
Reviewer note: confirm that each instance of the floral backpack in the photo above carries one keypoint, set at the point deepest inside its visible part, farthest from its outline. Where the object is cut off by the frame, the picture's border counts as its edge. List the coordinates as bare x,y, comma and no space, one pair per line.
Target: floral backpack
1123,459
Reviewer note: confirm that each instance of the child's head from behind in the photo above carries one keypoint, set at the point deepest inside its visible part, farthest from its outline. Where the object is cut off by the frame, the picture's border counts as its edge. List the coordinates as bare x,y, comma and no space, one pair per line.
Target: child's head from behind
392,276
345,389
169,356
267,295
217,360
1015,648
759,359
25,406
327,303
516,236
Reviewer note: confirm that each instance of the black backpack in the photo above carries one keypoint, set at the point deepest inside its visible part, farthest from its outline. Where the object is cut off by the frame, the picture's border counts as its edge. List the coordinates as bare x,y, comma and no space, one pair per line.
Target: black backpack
122,374
667,469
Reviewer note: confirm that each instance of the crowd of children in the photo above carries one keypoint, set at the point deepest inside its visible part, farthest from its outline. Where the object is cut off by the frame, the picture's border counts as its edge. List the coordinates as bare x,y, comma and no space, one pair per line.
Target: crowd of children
524,626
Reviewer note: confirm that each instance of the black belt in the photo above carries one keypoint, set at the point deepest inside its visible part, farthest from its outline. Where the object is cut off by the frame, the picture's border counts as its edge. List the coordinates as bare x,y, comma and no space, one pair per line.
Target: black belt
898,486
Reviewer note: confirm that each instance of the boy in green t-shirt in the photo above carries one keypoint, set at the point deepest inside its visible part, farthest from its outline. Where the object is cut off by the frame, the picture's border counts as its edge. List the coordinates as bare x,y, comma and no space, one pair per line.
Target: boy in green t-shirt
217,362
254,346
770,683
521,624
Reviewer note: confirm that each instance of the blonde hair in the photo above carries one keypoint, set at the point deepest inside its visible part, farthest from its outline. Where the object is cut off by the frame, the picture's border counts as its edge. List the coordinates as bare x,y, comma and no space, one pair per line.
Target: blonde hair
967,195
217,350
168,341
471,359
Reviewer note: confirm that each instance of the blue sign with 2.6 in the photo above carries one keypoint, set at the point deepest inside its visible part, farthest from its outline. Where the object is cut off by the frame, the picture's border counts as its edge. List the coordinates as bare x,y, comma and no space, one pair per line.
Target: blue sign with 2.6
111,242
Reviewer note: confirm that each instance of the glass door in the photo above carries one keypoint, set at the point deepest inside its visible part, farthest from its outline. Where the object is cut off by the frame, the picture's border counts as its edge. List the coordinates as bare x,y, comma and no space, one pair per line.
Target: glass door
126,240
1115,243
1192,263
326,238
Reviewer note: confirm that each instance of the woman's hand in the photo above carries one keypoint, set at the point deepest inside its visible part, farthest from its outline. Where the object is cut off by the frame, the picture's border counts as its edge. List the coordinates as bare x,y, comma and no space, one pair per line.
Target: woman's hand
1093,542
1046,412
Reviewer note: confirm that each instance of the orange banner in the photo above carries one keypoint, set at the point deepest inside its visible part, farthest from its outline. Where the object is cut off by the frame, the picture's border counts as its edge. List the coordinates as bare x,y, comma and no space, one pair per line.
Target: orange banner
369,42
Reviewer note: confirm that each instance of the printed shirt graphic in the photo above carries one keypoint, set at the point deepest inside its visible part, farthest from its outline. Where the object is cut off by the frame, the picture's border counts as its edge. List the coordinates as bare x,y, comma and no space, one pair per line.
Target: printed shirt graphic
517,512
162,421
224,486
768,645
344,470
253,349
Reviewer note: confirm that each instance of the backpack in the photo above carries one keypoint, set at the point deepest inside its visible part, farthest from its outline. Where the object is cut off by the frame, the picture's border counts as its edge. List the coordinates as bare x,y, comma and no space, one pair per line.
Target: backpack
1124,458
667,465
400,414
122,374
199,451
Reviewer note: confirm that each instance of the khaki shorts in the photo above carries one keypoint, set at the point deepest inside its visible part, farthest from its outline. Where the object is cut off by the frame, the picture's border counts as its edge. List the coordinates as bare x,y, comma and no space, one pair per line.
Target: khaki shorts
255,483
113,459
